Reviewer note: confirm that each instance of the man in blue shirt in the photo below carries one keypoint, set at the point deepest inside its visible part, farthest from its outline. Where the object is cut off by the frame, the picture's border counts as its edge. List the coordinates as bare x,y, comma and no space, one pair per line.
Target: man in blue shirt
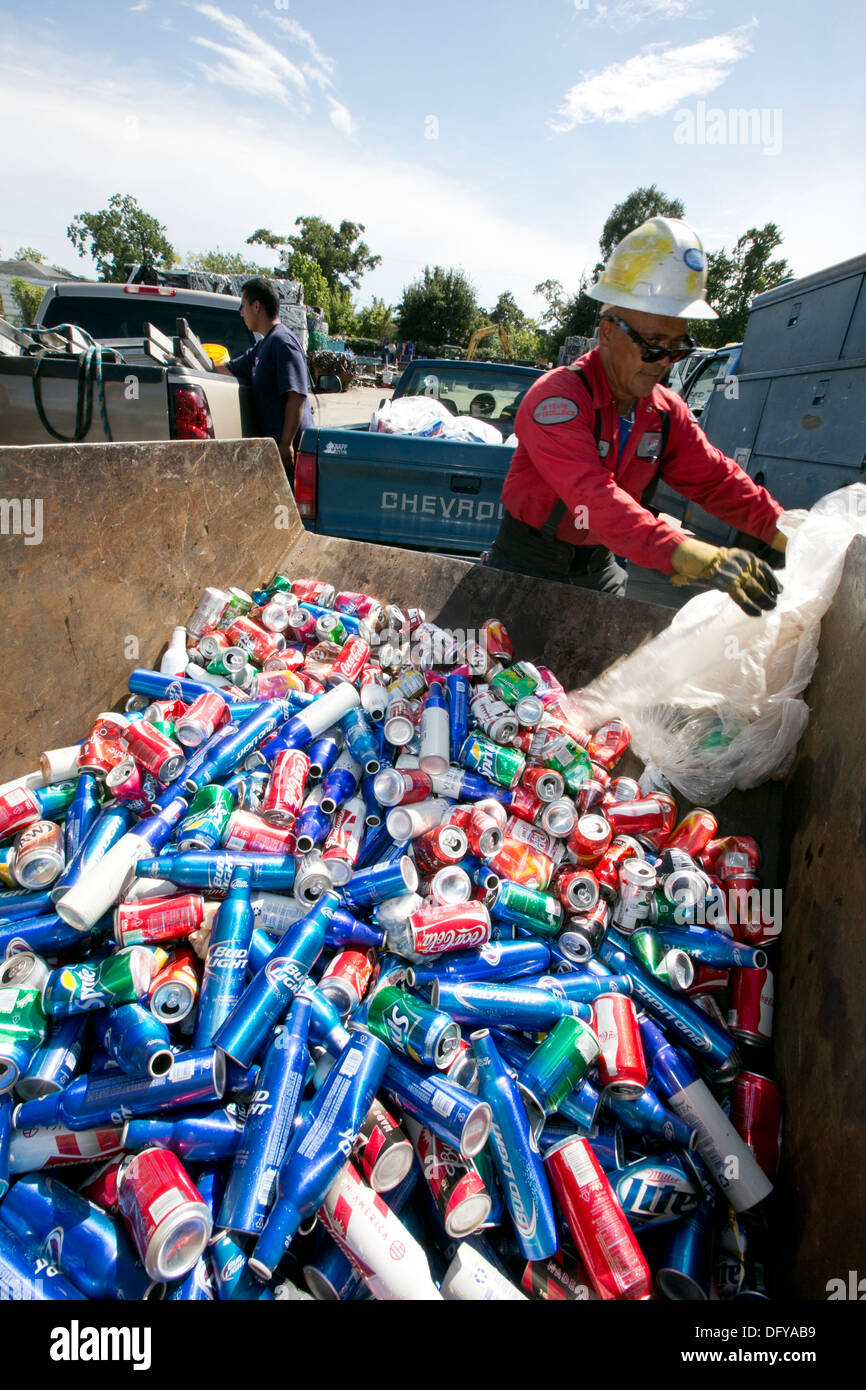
276,368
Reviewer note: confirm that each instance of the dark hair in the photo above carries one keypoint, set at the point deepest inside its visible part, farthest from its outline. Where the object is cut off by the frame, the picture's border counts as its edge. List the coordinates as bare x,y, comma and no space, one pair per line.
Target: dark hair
260,290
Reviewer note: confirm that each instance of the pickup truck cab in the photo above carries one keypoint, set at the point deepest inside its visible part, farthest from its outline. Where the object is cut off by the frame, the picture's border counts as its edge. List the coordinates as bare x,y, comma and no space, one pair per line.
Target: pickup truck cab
422,494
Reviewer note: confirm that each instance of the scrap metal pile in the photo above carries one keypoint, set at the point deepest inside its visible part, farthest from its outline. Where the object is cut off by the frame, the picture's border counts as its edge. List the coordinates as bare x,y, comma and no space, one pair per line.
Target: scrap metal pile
341,961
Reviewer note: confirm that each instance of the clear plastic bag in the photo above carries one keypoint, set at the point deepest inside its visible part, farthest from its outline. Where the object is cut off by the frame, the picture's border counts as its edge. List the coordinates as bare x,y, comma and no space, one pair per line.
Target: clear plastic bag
430,419
714,701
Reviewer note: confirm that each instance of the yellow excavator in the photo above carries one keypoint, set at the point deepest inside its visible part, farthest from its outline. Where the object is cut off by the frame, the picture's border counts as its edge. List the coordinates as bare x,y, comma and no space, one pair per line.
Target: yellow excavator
481,333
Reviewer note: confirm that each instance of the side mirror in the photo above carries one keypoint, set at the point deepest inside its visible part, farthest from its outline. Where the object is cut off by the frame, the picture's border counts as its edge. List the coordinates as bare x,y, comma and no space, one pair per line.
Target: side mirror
328,383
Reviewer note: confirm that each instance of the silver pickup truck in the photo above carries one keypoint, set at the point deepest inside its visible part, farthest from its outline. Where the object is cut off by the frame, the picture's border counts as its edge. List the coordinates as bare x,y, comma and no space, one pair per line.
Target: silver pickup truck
150,379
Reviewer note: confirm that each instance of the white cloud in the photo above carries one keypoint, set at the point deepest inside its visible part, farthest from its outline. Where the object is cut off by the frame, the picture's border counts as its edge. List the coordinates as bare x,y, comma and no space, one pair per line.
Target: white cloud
254,65
140,7
625,14
653,82
341,117
321,65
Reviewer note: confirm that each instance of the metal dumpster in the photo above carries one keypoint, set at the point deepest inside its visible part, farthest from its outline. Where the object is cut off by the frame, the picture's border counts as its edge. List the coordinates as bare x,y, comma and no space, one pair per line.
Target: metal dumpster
108,546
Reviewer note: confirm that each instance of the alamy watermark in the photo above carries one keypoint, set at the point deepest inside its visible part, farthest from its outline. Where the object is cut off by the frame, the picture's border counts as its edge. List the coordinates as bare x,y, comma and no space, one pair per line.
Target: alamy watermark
714,125
22,516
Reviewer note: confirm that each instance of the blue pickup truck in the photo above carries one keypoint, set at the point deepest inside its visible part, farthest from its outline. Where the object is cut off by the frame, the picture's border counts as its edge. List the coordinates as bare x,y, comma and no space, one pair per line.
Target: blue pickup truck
422,494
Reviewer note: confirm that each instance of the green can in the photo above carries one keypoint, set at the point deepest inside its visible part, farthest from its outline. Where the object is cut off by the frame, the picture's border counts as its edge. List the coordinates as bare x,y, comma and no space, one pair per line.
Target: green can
55,798
415,1028
203,825
558,1065
228,663
280,584
572,761
165,727
671,967
492,760
522,906
121,978
516,682
238,606
22,1016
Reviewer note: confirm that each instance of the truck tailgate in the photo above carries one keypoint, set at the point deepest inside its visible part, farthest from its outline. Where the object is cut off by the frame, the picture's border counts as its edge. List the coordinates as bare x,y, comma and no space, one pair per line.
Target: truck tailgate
435,494
136,401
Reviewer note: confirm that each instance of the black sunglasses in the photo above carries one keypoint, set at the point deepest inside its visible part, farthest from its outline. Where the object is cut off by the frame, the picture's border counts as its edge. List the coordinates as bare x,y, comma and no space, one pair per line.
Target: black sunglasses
650,353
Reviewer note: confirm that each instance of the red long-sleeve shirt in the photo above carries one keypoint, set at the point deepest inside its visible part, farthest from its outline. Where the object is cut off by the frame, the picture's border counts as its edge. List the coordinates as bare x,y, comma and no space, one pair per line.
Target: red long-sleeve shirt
557,456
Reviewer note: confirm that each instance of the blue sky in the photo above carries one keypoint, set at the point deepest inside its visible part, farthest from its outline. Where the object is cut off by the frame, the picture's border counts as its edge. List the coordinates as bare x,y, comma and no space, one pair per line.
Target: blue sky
491,134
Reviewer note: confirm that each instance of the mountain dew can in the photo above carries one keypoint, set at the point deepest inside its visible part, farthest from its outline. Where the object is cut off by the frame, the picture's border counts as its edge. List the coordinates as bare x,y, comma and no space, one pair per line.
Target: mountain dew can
558,1065
206,820
121,978
413,1027
492,760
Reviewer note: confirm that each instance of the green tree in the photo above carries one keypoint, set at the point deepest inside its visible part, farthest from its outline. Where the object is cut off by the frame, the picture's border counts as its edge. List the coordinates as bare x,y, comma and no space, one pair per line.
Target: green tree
340,313
27,296
438,307
219,262
376,321
506,310
565,315
118,235
309,272
343,256
29,253
638,207
734,280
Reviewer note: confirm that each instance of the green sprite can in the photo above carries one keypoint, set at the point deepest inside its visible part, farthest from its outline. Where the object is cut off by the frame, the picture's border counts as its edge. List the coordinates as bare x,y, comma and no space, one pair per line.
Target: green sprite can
516,682
22,1017
164,726
492,760
523,906
557,1066
672,967
203,825
228,663
280,584
121,978
413,1027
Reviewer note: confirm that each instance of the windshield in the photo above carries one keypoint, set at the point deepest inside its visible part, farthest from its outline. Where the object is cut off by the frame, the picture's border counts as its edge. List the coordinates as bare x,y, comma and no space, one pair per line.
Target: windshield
492,394
104,316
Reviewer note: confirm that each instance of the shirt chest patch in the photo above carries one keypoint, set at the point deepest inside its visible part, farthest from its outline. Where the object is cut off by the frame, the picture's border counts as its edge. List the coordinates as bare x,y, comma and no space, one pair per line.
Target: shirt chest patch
649,446
555,410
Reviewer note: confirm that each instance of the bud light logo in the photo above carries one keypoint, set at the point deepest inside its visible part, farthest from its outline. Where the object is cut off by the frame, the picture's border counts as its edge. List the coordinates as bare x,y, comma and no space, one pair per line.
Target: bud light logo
491,952
232,1268
53,1245
284,974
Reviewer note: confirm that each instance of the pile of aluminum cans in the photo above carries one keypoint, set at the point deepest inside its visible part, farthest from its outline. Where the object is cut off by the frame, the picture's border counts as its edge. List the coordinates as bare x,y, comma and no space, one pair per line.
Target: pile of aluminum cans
340,964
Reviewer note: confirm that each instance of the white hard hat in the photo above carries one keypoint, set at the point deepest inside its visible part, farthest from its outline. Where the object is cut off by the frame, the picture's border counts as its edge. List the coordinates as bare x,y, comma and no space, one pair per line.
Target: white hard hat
659,268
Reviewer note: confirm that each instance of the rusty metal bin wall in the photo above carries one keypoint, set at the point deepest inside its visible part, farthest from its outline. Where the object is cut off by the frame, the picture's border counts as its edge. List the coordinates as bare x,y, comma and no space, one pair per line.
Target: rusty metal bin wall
131,534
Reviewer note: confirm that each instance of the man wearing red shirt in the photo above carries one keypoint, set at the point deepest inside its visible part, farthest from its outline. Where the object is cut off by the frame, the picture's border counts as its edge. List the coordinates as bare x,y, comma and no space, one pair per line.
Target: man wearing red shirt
595,436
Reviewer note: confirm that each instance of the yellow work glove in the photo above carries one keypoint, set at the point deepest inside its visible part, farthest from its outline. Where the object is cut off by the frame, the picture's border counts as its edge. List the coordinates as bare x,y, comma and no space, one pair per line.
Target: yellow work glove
747,580
779,541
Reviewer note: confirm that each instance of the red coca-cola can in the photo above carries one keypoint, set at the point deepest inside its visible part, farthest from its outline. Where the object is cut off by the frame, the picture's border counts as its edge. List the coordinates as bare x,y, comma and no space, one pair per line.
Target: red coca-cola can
346,979
102,1186
750,1007
102,749
598,1226
382,1151
497,641
731,856
158,919
173,993
694,832
622,1069
154,751
349,665
484,832
756,1114
247,831
202,719
439,928
639,817
444,844
302,627
608,743
286,787
523,864
313,591
166,1215
621,848
254,640
622,789
709,979
589,840
166,711
545,782
743,899
525,803
577,889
